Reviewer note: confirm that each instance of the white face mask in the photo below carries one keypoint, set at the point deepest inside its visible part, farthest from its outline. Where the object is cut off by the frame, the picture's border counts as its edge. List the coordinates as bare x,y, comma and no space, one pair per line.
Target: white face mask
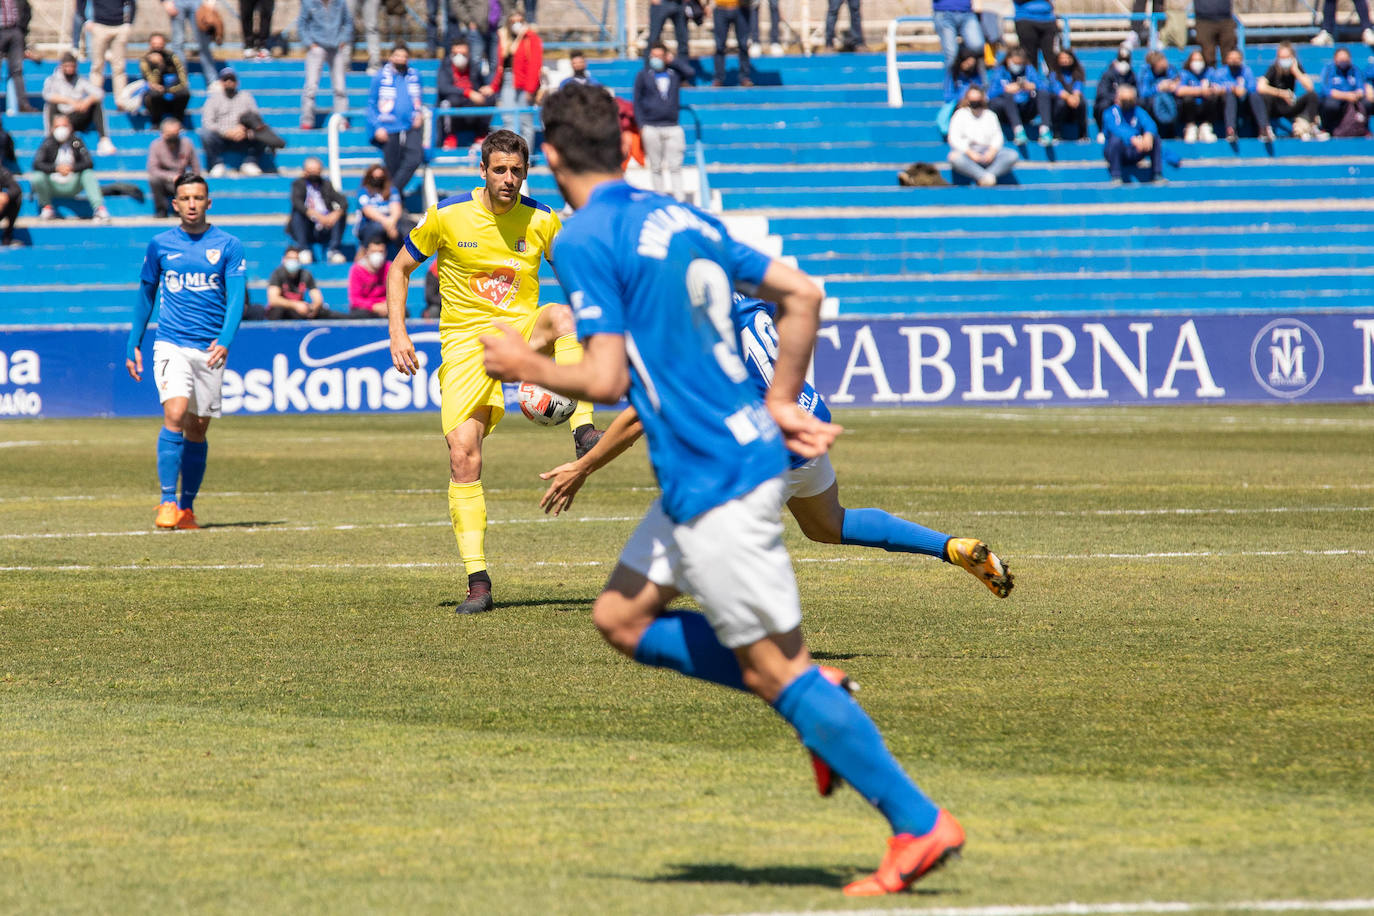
1285,63
1123,67
1197,67
292,266
517,28
61,134
460,61
376,259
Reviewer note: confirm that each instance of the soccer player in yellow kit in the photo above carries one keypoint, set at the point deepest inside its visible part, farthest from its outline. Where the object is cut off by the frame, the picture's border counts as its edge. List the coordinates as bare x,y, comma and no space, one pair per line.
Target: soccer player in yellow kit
489,243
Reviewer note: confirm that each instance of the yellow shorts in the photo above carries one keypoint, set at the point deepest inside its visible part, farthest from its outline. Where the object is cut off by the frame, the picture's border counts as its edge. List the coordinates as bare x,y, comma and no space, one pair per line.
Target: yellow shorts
464,385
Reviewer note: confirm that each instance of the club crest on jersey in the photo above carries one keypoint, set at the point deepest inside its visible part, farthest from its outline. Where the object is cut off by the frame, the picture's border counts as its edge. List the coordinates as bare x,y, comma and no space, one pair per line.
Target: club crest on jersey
212,255
520,246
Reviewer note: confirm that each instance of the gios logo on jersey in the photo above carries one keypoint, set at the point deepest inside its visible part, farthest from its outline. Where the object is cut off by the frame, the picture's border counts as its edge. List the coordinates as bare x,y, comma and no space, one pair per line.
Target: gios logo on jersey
1287,358
194,282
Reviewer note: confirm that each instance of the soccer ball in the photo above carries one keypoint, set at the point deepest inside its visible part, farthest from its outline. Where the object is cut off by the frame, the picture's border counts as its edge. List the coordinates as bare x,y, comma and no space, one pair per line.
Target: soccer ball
545,407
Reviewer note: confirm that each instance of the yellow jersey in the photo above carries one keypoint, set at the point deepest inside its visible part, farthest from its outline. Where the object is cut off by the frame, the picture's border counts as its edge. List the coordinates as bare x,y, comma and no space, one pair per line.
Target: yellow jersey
488,264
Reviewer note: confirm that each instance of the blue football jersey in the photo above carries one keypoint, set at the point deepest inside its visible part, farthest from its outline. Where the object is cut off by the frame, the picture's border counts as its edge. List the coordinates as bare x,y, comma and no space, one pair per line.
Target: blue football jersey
192,275
662,274
758,344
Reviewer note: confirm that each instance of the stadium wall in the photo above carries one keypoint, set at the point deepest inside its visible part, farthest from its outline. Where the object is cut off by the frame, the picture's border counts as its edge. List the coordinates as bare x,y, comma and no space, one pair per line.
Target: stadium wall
1069,359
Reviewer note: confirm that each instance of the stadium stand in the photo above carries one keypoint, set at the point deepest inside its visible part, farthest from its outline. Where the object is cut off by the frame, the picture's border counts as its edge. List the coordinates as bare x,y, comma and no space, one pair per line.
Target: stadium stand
807,160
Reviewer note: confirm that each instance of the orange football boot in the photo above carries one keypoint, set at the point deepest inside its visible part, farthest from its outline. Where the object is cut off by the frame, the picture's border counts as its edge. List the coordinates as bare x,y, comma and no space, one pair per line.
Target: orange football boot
167,515
826,780
974,556
909,858
186,521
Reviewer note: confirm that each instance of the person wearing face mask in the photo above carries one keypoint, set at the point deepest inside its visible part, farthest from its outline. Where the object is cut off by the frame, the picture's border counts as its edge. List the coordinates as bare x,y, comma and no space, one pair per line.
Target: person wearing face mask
1199,102
522,59
578,62
1237,83
966,71
657,110
222,127
326,30
164,71
976,146
394,115
1068,107
170,156
1017,93
478,22
1279,87
318,213
1132,138
367,281
292,293
63,168
1343,90
1158,83
67,92
380,214
1117,74
460,86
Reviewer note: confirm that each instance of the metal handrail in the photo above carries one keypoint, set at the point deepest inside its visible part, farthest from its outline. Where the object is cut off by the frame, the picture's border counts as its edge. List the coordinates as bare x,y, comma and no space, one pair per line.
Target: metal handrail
894,82
1066,34
704,198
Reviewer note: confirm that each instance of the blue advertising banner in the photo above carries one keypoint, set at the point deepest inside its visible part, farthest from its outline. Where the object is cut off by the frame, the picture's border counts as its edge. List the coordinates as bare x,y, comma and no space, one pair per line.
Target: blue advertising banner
304,367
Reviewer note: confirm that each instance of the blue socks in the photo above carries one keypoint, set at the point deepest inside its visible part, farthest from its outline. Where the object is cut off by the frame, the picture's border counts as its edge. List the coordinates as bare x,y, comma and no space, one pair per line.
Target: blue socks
876,528
685,642
170,446
837,729
192,471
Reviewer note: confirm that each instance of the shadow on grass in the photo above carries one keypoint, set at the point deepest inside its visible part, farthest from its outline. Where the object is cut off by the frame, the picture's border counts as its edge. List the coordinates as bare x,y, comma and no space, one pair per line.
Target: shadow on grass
558,604
208,525
835,876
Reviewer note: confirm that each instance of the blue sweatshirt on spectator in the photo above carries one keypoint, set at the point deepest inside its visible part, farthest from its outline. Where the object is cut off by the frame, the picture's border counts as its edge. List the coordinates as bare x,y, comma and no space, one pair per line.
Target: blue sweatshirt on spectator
952,6
956,86
1123,126
656,97
1002,75
1347,80
1192,80
1224,77
1147,83
1035,10
394,99
1063,81
329,25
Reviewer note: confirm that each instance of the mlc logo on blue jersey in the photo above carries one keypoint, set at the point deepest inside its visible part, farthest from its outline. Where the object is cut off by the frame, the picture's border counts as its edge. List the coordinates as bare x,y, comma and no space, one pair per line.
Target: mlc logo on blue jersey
1287,358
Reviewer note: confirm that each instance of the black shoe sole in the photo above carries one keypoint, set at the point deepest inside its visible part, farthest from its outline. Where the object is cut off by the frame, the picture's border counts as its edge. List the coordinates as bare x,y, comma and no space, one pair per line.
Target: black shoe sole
481,606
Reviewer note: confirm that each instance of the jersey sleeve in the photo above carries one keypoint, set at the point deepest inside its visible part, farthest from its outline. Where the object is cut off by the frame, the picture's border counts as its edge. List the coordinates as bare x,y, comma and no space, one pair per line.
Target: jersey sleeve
152,266
585,267
423,240
552,226
745,264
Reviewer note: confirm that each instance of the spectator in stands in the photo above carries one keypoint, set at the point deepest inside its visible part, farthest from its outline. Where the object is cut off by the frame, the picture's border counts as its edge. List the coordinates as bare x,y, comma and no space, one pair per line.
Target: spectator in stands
1158,83
1199,102
367,281
170,156
108,31
1326,37
674,11
163,70
255,18
1117,74
477,20
292,293
223,126
832,16
433,303
1036,29
966,71
63,167
1019,94
460,86
69,93
976,146
14,28
78,28
368,12
1215,25
380,212
183,16
657,109
326,30
318,213
774,28
1068,106
1343,89
1279,86
394,116
1132,137
728,14
10,200
1141,29
7,147
1237,83
578,61
522,61
956,25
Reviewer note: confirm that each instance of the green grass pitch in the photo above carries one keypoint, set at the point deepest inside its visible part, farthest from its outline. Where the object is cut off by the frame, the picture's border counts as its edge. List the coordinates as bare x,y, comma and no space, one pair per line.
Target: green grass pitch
280,713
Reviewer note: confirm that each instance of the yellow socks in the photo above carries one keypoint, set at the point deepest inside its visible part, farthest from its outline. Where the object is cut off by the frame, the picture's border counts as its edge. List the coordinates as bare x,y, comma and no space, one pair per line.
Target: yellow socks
566,351
467,509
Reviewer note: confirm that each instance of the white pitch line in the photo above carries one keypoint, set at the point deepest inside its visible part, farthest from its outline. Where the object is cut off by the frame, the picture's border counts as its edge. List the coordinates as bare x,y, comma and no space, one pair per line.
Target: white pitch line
296,529
291,567
1105,909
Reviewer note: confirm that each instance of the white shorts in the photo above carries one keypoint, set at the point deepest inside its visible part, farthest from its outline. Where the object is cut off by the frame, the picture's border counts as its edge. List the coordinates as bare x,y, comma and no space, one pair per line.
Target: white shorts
182,372
730,559
811,479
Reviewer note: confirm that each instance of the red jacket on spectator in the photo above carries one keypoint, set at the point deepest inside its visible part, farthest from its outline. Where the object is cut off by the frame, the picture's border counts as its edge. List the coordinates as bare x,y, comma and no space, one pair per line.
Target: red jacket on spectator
527,62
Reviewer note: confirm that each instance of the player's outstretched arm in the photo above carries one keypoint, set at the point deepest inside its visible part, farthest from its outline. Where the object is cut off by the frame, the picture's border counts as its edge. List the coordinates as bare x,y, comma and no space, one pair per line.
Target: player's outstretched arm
566,479
143,310
603,376
397,288
797,320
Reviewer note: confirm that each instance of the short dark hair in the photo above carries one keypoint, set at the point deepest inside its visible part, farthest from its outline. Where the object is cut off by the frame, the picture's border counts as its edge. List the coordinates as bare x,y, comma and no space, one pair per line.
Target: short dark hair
576,52
583,124
659,46
400,46
190,178
504,141
153,35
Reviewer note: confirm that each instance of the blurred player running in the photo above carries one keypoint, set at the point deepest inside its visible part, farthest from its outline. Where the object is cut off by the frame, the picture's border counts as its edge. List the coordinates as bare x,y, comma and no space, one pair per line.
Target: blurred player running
193,274
651,280
489,242
813,494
